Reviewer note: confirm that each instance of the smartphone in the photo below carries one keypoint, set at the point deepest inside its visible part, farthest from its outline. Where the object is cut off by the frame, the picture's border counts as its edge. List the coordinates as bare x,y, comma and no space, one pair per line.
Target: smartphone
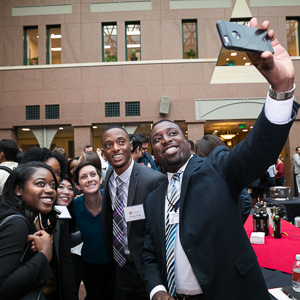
243,38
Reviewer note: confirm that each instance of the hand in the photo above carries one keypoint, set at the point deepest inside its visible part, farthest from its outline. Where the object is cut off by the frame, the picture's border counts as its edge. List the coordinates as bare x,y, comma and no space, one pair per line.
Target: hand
277,68
41,242
161,295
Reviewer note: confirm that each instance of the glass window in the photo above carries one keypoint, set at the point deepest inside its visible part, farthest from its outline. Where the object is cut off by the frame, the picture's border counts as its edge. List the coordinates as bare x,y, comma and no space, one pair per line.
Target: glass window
112,109
54,44
31,45
32,112
292,36
133,41
132,109
232,57
52,111
109,37
190,40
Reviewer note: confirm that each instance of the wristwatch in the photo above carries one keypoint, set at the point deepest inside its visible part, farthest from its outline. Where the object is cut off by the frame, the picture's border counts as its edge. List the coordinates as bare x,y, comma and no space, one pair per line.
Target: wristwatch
282,95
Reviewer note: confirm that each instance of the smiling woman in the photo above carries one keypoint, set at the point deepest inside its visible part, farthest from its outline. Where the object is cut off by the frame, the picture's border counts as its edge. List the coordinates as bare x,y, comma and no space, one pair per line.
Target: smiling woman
98,270
29,191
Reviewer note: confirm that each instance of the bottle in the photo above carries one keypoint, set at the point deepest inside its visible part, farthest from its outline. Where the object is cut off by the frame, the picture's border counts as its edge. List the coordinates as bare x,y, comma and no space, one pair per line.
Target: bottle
265,218
261,217
272,222
296,274
277,225
256,220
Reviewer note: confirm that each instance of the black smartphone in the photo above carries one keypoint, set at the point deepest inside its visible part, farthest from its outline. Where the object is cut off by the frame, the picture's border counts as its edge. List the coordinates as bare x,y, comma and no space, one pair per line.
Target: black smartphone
243,38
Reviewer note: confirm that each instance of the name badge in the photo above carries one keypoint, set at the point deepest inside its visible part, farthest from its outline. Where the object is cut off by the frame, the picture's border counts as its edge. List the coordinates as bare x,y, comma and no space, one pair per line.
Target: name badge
134,213
64,212
173,217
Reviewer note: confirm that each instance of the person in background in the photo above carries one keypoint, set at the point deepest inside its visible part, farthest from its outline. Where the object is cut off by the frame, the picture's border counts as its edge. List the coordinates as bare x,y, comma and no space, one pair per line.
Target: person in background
279,173
136,147
8,159
28,197
296,160
203,148
271,181
72,163
104,163
192,146
146,158
98,270
88,148
60,150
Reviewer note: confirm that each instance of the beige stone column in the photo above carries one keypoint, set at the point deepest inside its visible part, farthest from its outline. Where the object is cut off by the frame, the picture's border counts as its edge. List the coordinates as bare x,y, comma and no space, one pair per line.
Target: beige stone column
83,135
195,130
8,134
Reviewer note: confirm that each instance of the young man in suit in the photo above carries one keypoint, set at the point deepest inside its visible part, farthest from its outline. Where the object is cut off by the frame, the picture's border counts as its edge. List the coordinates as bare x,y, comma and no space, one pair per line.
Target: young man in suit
123,221
195,244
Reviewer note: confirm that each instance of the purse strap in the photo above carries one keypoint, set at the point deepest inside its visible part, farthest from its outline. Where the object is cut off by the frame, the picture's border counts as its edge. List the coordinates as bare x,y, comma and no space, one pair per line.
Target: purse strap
12,217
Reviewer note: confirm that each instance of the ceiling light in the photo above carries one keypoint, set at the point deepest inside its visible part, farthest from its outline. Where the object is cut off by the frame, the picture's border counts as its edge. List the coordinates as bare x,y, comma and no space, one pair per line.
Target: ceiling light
245,130
107,46
25,129
247,64
95,127
216,130
233,54
55,36
37,36
56,49
227,58
244,58
251,127
61,128
134,46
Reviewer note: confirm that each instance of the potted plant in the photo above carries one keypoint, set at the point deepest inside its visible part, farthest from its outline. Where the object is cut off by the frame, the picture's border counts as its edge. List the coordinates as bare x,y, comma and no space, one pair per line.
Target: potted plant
110,58
191,53
133,55
231,62
33,60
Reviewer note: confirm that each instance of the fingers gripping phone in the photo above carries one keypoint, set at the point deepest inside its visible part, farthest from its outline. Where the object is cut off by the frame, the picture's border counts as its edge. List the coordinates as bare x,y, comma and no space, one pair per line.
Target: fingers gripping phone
243,38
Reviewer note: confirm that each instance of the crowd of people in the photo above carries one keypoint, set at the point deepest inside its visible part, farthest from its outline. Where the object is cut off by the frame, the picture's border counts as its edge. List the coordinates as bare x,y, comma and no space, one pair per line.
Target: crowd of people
130,225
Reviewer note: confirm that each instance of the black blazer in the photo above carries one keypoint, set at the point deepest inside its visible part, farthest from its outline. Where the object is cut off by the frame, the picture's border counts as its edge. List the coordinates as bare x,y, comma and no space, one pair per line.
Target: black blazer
143,181
211,230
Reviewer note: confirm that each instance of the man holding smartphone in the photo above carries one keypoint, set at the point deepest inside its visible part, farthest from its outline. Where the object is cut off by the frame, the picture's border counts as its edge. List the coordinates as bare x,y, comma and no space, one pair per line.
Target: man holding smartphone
195,244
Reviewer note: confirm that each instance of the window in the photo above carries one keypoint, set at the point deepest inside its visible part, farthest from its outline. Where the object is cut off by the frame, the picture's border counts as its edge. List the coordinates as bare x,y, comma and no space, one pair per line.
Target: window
32,112
190,39
109,38
292,36
112,109
31,44
232,57
132,109
133,41
53,44
52,111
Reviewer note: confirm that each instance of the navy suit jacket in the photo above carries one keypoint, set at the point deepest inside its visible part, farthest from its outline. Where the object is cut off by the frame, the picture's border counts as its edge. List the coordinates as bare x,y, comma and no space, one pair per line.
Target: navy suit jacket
143,181
210,226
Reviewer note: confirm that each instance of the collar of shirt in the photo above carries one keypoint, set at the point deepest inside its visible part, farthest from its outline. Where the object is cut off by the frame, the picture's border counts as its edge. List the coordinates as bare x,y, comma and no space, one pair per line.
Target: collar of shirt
125,175
9,164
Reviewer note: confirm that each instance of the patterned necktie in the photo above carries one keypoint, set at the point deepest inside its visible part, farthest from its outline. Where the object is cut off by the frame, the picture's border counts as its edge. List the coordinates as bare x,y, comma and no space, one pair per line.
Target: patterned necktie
118,227
171,234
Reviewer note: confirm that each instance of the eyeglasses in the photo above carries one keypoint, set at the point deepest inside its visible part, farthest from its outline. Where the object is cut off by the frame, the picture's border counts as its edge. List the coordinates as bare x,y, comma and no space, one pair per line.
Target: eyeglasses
145,149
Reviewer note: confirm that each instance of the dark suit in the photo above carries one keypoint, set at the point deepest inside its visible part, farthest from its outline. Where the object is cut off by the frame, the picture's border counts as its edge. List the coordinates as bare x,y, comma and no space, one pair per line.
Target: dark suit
211,230
143,181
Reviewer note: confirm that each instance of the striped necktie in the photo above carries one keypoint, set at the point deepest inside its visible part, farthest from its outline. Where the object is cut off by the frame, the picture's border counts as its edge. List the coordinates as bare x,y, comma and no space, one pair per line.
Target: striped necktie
171,229
118,227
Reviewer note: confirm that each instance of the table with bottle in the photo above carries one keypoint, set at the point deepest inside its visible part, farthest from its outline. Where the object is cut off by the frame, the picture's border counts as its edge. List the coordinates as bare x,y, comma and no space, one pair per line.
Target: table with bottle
277,253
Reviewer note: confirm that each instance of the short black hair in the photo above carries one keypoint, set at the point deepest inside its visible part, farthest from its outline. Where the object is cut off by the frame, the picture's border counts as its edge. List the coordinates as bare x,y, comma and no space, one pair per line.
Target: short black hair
143,137
192,144
297,148
160,121
80,166
10,200
136,142
43,154
9,149
112,127
88,146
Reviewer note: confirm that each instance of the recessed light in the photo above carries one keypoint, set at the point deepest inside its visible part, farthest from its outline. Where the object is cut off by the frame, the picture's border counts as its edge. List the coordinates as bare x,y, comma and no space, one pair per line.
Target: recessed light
95,127
216,130
25,129
247,64
244,58
251,127
227,58
61,128
233,54
245,130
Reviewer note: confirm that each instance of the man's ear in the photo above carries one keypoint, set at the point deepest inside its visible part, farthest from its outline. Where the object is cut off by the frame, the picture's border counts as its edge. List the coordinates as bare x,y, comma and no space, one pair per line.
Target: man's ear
2,156
77,186
18,191
131,146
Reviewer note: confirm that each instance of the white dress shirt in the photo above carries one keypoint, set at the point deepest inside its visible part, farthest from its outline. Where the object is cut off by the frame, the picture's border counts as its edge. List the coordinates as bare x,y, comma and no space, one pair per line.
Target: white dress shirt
277,112
125,177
